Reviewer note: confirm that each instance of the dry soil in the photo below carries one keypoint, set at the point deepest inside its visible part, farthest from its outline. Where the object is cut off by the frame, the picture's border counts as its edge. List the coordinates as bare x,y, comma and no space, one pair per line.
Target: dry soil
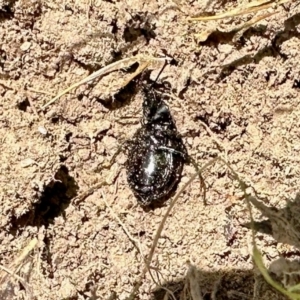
233,96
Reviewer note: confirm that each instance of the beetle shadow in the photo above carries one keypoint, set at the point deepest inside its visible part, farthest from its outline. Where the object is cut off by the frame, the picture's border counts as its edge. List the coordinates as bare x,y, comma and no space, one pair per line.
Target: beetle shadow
162,202
126,94
120,99
284,226
198,284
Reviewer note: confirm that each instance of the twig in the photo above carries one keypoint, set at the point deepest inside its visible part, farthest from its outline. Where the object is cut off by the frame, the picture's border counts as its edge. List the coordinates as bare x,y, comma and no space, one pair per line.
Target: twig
8,271
214,138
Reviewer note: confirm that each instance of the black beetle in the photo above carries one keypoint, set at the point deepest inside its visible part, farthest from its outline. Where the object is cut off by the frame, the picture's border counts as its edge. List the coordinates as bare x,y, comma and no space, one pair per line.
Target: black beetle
156,153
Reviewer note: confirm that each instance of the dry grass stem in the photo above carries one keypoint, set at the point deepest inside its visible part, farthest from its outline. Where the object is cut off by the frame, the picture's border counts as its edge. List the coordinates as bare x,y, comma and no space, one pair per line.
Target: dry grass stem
6,284
192,279
243,9
203,36
39,91
144,62
256,254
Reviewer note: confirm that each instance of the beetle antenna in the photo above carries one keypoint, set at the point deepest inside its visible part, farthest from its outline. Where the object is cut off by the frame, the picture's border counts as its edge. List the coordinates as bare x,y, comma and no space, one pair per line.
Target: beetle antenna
163,67
149,87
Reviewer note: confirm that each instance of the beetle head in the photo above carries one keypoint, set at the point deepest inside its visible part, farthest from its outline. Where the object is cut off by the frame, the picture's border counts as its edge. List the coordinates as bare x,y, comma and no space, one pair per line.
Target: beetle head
155,111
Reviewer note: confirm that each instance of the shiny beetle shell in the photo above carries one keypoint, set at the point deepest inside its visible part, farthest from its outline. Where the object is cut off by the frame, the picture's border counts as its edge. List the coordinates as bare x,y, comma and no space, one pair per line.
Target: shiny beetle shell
157,154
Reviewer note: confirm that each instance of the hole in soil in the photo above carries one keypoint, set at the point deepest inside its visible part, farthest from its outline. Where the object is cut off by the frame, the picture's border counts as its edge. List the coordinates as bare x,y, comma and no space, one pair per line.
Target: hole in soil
68,136
53,202
48,257
91,286
56,197
117,55
3,58
210,285
204,117
23,105
80,97
62,158
138,27
218,126
54,120
131,34
223,124
124,95
69,8
6,11
114,27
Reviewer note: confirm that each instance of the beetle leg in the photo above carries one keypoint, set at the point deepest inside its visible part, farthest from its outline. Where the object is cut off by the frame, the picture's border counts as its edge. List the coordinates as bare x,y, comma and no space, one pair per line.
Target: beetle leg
125,145
171,150
202,182
108,165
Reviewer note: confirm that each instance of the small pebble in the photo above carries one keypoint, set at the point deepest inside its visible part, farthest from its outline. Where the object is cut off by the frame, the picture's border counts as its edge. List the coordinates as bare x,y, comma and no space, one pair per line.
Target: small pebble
42,130
27,162
25,46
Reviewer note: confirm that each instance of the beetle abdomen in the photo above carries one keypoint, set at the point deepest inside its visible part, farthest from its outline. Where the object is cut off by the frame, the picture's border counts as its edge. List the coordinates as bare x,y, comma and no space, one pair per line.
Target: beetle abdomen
153,169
